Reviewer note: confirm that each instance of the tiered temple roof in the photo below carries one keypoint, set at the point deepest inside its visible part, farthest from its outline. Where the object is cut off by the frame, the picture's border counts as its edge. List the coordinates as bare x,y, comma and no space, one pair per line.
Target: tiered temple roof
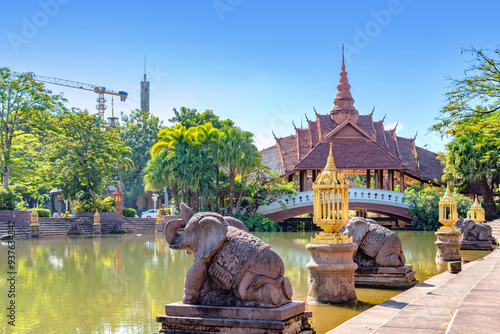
359,143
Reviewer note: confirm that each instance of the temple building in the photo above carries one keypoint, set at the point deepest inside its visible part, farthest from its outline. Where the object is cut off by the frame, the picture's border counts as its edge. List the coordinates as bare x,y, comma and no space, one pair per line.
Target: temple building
361,146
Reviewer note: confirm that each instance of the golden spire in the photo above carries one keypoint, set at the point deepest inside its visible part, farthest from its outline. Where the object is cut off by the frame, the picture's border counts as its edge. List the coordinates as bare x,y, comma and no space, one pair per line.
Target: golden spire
330,164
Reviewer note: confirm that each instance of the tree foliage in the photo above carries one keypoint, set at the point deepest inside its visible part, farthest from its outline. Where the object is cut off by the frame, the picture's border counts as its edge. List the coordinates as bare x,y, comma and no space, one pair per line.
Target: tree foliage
138,131
212,168
191,117
24,104
81,153
472,118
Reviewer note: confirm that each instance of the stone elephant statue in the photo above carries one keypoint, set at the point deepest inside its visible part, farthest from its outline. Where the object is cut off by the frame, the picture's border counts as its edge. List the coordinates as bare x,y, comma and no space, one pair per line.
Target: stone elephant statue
472,231
231,267
377,246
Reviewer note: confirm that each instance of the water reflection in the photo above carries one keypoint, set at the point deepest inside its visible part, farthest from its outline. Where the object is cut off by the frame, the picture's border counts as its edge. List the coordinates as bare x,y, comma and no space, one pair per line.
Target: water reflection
119,284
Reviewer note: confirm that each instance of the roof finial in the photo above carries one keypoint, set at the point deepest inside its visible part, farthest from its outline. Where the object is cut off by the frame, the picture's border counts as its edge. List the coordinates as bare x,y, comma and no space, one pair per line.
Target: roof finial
343,64
330,164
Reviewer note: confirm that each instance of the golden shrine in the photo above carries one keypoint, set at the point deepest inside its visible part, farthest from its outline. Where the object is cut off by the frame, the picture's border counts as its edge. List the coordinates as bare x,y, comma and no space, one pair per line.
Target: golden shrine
331,204
476,212
448,214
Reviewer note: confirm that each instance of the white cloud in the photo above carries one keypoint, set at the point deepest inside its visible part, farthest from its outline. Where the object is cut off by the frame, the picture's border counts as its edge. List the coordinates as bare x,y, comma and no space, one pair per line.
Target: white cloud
391,126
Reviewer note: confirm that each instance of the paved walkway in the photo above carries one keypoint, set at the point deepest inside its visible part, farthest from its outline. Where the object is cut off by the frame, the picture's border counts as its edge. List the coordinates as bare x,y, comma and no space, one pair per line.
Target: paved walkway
467,302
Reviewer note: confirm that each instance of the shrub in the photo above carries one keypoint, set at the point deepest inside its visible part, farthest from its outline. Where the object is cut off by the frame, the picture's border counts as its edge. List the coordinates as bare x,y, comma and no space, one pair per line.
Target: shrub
259,223
85,203
129,212
43,212
7,199
424,205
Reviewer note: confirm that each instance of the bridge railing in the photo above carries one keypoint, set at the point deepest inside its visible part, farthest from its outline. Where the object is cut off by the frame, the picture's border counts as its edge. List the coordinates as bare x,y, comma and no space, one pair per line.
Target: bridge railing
356,195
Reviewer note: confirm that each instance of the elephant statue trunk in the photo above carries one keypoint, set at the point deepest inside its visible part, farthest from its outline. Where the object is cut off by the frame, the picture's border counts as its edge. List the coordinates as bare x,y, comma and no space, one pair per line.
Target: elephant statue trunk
171,231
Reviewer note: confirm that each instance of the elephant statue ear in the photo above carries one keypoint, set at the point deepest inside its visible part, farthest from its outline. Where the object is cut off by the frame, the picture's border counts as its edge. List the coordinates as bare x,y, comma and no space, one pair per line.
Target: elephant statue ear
186,212
212,236
361,227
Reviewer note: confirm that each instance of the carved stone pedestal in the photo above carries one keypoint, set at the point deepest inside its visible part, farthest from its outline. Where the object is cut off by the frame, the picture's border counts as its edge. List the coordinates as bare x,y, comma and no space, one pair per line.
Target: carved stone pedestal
34,231
486,245
448,246
332,273
97,228
182,318
159,227
385,277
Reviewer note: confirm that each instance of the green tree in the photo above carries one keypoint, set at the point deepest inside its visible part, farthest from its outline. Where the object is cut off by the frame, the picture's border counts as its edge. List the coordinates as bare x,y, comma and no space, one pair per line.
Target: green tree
139,131
82,154
28,160
24,104
476,95
472,118
123,160
190,117
473,156
239,154
266,187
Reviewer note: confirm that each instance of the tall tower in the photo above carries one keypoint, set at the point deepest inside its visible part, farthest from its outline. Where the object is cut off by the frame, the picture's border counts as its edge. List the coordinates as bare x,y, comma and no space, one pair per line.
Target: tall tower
145,90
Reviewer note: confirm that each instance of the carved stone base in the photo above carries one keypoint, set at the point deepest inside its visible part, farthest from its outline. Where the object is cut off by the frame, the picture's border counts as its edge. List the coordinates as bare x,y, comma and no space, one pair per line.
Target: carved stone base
97,228
34,231
290,318
385,277
448,246
332,273
159,227
486,245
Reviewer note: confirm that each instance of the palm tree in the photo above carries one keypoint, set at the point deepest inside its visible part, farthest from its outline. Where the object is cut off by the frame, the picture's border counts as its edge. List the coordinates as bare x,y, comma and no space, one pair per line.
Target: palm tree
239,154
123,160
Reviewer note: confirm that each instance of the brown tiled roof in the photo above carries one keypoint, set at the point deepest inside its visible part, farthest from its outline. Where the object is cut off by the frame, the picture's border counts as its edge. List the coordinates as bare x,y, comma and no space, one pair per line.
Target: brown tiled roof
303,142
358,143
271,158
348,153
429,166
288,150
373,148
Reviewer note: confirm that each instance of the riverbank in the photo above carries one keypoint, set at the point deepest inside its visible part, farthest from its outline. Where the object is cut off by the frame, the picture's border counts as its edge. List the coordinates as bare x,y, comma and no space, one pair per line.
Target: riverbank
446,303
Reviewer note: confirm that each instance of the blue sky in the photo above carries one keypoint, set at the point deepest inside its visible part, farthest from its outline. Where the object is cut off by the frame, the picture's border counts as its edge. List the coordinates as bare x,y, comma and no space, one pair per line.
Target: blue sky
261,63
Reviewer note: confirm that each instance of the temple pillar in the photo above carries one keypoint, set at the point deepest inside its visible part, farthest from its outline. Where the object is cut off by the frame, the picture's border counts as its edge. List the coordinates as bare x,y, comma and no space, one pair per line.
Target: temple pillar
303,180
401,182
368,179
314,175
375,176
381,179
390,176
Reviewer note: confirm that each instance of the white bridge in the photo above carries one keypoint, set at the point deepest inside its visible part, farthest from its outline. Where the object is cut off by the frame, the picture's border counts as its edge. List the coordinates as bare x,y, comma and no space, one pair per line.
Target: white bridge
374,200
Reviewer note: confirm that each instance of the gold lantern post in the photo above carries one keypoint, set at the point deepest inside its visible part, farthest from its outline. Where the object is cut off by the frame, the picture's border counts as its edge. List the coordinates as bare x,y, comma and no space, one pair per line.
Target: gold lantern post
97,218
331,204
448,212
34,218
476,212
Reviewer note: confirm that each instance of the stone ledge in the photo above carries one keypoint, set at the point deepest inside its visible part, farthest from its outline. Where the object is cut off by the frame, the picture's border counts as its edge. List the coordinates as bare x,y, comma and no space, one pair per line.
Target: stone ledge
199,319
281,313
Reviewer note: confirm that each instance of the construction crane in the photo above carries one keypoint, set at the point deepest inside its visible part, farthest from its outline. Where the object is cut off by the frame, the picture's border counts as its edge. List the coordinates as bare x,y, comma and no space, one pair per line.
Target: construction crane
101,106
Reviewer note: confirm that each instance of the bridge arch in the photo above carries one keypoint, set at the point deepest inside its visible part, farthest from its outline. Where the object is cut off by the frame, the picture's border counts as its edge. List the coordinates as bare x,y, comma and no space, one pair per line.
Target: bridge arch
384,202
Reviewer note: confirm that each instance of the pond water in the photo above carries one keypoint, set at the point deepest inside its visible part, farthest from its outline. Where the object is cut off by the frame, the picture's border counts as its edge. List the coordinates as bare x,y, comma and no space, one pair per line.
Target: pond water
119,284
